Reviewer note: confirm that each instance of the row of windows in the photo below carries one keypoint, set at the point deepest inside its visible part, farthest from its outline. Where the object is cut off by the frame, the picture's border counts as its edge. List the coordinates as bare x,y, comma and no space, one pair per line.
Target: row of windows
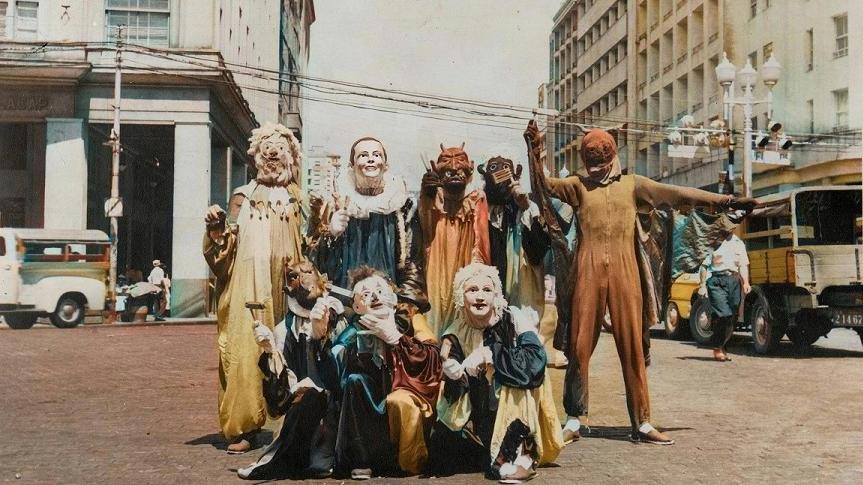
614,13
146,21
615,55
603,105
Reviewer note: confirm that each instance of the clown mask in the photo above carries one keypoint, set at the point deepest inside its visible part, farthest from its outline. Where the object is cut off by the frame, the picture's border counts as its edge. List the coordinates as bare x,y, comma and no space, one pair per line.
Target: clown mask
374,296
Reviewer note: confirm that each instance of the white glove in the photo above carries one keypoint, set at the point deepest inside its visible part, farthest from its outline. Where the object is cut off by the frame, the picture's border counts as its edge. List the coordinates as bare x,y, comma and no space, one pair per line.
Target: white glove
477,359
452,369
525,319
319,319
305,383
339,222
264,337
383,328
529,214
702,291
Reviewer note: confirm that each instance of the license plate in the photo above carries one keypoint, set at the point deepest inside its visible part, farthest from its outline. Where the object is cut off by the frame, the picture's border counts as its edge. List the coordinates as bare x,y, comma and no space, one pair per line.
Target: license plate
847,318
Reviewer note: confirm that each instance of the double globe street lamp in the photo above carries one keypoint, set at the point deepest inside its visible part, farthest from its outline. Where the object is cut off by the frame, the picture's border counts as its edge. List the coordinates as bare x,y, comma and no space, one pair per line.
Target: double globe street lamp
727,74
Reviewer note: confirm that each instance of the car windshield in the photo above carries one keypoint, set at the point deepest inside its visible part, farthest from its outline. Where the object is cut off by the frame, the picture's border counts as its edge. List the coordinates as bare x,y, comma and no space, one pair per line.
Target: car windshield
827,216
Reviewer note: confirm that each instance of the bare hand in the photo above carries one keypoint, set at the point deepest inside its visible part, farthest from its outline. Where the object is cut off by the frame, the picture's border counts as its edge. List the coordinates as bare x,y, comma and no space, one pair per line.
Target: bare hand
746,288
521,199
743,203
531,133
215,221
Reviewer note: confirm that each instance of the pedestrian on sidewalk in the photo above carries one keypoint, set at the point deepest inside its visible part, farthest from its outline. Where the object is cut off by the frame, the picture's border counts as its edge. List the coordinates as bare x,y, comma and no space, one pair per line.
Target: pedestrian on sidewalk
724,276
157,278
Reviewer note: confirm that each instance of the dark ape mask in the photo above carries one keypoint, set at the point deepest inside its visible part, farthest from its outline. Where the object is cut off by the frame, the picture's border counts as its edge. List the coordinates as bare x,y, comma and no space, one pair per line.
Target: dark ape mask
498,174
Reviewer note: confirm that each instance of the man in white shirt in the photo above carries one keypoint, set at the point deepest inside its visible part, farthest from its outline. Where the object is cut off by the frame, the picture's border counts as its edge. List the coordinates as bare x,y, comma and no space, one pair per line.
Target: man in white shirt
157,277
722,274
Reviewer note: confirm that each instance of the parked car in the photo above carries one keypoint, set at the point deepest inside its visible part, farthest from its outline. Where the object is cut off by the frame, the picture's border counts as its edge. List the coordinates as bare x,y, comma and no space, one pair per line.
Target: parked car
55,273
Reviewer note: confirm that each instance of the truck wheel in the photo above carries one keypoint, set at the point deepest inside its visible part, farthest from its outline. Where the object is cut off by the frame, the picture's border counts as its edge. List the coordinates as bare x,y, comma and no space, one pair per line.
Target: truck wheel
700,324
673,328
20,320
765,332
69,312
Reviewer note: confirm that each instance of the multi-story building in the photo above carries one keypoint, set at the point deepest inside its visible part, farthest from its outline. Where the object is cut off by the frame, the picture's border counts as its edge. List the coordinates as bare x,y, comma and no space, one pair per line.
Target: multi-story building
561,91
819,44
320,169
677,45
674,47
197,77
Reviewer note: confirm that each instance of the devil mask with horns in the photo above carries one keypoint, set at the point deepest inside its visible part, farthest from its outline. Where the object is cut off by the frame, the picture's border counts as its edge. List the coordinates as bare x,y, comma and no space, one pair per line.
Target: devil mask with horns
454,168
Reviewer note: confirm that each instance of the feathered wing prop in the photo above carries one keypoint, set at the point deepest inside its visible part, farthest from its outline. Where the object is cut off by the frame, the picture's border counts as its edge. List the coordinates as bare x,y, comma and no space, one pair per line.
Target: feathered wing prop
563,260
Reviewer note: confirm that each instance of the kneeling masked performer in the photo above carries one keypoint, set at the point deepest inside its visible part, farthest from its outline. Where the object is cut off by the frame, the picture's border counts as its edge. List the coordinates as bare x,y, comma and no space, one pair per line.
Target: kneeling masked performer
496,411
390,381
301,380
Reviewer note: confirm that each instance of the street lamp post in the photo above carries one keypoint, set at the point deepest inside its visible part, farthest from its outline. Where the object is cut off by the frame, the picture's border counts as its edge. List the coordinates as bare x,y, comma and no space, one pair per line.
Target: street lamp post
727,74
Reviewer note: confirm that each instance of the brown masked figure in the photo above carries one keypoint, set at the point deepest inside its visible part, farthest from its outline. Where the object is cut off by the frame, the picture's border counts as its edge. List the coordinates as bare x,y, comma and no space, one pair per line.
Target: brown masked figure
608,274
454,224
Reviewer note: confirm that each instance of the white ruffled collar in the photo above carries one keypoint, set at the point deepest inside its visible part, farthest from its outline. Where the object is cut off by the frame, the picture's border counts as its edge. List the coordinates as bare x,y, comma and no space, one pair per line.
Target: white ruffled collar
393,197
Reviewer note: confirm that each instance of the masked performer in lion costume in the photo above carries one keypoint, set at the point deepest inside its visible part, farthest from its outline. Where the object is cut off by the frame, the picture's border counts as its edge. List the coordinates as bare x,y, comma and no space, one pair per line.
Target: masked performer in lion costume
246,250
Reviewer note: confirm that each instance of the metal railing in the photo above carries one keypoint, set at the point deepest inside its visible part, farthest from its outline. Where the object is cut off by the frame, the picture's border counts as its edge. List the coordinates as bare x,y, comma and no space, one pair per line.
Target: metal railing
667,68
682,58
713,37
697,48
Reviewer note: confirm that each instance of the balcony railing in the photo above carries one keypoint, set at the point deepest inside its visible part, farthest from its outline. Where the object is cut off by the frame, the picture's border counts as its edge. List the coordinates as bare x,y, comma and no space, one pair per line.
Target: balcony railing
667,68
681,58
681,114
653,26
654,76
697,106
713,37
667,15
681,4
697,48
840,53
641,85
642,36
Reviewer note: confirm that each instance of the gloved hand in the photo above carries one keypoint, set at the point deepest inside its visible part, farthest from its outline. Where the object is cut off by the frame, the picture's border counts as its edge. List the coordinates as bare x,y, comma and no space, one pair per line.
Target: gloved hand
319,317
743,203
475,363
525,319
339,221
430,182
264,337
384,328
702,291
453,369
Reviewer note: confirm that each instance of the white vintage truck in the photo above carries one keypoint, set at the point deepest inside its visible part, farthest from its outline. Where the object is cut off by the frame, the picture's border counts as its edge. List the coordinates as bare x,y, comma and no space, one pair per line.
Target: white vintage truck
55,273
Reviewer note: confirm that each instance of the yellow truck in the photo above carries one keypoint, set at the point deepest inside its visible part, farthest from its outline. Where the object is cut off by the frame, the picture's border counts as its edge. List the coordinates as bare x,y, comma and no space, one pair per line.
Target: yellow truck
804,250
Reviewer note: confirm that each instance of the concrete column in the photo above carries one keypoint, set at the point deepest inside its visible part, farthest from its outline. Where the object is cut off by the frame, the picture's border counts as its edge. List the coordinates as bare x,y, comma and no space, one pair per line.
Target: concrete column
191,197
65,174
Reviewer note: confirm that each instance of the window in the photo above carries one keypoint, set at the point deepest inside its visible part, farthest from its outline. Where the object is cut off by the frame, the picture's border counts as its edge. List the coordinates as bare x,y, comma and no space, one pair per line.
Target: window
810,110
766,51
840,98
19,20
146,21
841,24
753,8
753,58
810,49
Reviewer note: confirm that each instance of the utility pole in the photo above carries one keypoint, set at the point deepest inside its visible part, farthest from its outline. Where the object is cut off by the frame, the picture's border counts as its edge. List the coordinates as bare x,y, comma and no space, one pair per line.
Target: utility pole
114,206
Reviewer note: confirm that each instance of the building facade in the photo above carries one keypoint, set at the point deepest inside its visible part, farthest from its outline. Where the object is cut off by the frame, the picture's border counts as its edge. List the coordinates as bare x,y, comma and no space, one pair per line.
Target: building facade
197,77
667,71
320,169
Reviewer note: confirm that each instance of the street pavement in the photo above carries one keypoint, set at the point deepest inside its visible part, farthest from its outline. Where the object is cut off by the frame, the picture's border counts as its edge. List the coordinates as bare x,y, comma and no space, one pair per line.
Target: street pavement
137,404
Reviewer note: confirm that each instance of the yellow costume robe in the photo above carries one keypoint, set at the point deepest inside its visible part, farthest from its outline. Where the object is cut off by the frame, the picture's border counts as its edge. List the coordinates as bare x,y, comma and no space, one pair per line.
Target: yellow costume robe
451,243
263,229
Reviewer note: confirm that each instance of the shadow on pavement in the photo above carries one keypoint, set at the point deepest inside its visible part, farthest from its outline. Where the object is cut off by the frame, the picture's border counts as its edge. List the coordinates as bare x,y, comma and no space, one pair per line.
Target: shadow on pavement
217,441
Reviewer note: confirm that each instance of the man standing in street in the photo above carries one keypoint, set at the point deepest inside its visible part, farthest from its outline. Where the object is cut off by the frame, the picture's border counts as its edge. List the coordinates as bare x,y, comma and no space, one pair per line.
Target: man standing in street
157,277
728,268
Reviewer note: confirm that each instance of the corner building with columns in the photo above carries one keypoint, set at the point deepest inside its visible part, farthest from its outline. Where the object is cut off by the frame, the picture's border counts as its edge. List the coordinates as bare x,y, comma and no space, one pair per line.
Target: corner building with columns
188,106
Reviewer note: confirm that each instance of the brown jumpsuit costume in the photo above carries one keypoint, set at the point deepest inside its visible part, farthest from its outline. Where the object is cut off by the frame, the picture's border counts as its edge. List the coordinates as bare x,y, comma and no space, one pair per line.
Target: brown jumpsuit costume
608,274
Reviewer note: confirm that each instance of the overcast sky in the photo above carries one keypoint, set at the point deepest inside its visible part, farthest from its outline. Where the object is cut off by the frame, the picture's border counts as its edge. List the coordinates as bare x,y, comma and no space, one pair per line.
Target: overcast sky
489,50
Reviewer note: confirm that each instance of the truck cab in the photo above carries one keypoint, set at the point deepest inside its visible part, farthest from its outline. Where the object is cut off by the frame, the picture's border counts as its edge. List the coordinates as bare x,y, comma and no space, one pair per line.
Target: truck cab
55,273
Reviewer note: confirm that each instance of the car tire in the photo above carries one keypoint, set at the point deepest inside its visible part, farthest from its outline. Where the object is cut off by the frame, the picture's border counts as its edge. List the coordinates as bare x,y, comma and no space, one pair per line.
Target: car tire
700,325
69,313
674,328
20,320
766,333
